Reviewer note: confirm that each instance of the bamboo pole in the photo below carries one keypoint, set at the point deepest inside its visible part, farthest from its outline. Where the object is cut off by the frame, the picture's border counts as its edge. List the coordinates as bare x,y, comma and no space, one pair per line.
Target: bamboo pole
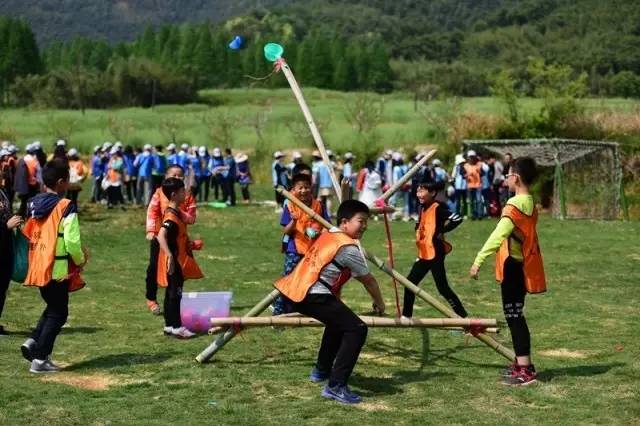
368,320
312,125
230,333
404,179
381,210
444,309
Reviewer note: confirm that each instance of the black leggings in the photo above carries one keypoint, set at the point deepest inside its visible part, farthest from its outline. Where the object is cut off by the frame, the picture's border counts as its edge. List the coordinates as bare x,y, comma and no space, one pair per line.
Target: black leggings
6,262
172,298
343,338
152,270
513,294
418,271
56,296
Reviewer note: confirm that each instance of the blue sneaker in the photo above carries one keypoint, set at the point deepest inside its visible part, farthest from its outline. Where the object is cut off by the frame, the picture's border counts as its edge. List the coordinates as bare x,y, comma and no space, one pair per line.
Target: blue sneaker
341,393
318,376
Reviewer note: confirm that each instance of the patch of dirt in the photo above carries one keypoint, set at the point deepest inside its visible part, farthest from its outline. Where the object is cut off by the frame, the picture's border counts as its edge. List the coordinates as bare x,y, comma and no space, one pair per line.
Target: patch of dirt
563,353
95,382
211,257
373,406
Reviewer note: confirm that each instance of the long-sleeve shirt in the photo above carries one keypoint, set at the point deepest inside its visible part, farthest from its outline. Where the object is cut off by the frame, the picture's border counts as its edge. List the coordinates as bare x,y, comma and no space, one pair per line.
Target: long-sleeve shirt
446,221
155,212
503,230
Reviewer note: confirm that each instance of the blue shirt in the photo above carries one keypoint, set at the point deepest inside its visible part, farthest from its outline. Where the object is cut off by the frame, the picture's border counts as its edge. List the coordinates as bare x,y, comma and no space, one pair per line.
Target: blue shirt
231,171
206,171
144,162
172,159
196,164
128,164
324,178
97,168
159,164
460,182
183,161
285,219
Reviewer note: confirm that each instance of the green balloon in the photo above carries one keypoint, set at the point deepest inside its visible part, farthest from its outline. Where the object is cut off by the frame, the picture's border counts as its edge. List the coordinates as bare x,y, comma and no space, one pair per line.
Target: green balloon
273,51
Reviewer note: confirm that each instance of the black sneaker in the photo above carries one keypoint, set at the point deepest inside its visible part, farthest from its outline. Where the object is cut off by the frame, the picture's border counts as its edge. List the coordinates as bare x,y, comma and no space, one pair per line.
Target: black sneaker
27,349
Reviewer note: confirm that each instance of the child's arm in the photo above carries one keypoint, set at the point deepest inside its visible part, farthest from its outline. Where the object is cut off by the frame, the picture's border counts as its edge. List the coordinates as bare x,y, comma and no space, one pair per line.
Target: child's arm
371,285
449,219
153,216
502,232
71,236
164,246
288,221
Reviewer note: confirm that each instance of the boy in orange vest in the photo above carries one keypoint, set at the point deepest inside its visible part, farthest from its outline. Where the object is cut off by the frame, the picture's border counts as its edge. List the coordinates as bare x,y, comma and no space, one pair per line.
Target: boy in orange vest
56,257
313,288
474,168
300,231
175,260
435,220
518,267
155,212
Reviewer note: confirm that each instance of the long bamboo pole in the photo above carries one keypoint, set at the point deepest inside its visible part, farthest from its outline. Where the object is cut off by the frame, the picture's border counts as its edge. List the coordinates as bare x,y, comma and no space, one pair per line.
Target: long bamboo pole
229,334
312,125
370,321
404,179
444,309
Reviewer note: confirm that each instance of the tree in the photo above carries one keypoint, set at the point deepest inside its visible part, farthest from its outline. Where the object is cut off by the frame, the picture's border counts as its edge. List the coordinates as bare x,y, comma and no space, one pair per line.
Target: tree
204,62
147,43
380,76
304,67
321,64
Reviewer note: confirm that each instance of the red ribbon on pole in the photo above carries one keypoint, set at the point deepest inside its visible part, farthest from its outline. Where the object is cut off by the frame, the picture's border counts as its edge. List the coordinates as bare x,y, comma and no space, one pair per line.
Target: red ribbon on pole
380,203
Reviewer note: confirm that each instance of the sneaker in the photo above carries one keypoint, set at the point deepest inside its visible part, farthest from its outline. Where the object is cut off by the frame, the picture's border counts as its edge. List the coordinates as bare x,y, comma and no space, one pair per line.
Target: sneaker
509,370
27,349
182,333
318,376
521,377
168,331
154,307
341,393
43,366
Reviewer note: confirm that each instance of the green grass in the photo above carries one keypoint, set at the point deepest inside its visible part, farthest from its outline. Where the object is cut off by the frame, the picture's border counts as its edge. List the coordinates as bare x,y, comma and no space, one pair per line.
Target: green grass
585,337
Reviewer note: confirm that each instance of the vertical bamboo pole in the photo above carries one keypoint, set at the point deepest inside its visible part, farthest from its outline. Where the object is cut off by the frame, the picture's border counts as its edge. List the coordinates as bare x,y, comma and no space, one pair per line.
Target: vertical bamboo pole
560,188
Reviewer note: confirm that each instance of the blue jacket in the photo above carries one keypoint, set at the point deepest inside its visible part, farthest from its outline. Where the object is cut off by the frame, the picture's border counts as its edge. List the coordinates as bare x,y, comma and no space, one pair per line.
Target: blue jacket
159,164
144,162
97,168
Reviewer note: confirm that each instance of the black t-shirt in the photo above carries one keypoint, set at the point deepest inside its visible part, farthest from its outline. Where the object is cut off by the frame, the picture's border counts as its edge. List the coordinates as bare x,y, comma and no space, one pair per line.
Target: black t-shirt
172,236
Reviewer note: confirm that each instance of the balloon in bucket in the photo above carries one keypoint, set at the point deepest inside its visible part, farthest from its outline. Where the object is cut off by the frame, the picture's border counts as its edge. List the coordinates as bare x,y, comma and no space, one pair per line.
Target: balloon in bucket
273,51
237,43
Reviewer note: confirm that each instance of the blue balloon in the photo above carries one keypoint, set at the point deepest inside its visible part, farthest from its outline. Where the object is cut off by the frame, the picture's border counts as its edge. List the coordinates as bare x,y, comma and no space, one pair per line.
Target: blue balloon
236,43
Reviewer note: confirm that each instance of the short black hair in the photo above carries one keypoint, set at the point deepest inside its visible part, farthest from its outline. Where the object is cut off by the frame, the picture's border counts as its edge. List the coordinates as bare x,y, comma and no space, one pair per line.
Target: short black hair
431,185
525,167
349,208
53,171
300,177
171,185
159,148
299,168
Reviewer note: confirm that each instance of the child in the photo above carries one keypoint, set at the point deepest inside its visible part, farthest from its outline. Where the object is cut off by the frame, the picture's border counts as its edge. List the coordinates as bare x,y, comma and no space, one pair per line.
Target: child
518,267
155,212
314,288
56,256
8,222
300,231
435,220
175,260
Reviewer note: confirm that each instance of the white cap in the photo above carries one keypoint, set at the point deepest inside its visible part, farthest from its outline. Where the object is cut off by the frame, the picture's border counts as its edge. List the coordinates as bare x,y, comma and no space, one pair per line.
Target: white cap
106,146
459,159
241,158
471,153
202,150
329,153
118,144
348,156
217,152
61,142
184,146
389,152
316,154
30,148
72,152
171,147
397,156
296,155
36,145
96,148
146,147
13,149
278,154
113,151
4,152
436,162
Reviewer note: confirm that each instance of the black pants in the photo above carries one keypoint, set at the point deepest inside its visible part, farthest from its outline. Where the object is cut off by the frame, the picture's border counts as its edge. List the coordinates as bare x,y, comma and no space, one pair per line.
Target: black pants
343,338
114,196
216,184
6,263
172,298
461,202
152,269
56,296
418,271
245,191
33,191
204,182
230,191
513,294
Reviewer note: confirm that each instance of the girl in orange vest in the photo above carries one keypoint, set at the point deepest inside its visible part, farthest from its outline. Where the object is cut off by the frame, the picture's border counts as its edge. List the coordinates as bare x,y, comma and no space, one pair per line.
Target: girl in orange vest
435,220
518,267
300,231
175,260
77,175
313,288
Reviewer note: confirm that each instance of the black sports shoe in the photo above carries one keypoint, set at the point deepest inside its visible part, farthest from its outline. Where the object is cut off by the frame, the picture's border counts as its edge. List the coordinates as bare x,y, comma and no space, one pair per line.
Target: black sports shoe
27,349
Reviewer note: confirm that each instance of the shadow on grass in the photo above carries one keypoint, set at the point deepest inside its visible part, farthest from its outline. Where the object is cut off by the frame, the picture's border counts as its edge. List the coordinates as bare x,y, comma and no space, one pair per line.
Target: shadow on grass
376,386
120,360
579,371
81,330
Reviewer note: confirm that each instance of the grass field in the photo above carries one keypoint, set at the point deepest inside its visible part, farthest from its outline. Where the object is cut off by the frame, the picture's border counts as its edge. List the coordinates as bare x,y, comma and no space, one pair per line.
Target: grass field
121,370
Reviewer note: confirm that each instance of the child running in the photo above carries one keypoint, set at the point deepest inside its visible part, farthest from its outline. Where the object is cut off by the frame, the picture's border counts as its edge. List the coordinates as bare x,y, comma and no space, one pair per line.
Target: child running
155,212
175,260
56,257
435,220
300,231
313,288
519,267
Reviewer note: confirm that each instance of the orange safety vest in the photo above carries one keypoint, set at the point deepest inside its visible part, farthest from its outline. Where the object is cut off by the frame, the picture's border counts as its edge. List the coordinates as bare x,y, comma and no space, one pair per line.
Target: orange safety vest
164,203
473,175
78,165
304,221
525,233
426,232
42,235
190,269
296,285
31,162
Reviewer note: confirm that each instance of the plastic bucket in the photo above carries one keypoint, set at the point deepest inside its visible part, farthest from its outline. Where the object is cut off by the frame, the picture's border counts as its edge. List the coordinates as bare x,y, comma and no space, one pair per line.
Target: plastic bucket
197,309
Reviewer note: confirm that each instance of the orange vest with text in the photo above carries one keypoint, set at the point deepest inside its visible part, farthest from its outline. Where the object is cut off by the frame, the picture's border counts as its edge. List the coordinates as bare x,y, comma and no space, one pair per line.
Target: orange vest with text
426,232
304,221
42,235
190,269
525,233
296,285
473,175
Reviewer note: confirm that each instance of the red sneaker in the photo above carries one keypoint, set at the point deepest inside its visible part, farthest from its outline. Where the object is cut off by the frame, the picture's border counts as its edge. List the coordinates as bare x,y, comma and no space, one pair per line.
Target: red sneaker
509,370
522,376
